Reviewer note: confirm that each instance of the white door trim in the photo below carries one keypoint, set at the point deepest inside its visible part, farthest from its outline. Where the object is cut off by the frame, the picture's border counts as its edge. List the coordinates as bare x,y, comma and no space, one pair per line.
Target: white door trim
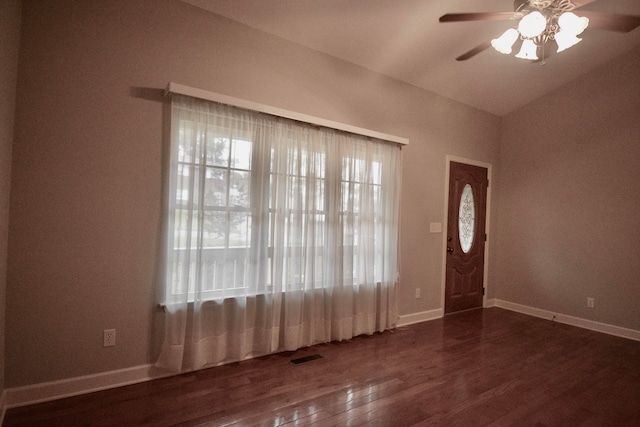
485,278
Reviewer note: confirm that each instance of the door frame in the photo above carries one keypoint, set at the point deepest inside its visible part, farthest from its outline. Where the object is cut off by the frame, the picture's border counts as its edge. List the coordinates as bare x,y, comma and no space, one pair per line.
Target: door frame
485,278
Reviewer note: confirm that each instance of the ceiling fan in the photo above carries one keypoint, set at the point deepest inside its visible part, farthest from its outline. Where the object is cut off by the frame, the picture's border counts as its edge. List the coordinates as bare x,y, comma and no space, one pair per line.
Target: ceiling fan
540,22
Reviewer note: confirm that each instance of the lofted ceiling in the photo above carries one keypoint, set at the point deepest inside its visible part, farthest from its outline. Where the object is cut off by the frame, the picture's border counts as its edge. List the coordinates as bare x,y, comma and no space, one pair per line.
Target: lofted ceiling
404,40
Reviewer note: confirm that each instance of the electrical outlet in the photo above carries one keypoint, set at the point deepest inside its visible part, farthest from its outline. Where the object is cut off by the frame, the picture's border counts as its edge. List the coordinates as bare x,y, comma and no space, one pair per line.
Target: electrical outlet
109,338
591,302
417,292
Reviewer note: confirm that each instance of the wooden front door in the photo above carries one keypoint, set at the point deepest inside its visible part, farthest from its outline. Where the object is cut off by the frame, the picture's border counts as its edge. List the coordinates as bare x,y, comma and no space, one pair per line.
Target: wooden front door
464,280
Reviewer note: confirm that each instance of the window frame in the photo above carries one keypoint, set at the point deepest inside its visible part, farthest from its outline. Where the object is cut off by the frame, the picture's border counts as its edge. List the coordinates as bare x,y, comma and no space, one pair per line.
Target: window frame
328,178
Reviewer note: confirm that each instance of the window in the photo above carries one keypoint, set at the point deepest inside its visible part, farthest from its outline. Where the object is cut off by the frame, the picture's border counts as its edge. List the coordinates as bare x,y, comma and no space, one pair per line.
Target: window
261,204
466,218
280,235
212,208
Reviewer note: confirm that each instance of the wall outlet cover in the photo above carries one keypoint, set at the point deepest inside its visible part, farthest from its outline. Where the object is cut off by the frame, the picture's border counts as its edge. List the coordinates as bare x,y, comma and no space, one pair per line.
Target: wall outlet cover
109,338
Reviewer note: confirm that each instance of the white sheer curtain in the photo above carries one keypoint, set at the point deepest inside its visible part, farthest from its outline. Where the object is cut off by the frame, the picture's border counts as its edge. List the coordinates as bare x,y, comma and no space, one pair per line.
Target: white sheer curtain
280,235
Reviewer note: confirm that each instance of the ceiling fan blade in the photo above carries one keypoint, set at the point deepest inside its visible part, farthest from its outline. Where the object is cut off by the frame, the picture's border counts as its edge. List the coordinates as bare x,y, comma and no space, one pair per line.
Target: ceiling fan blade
488,16
611,22
580,3
473,52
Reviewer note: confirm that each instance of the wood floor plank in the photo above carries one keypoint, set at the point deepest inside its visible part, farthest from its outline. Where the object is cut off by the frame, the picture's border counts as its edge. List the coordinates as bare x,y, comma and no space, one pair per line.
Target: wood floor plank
483,367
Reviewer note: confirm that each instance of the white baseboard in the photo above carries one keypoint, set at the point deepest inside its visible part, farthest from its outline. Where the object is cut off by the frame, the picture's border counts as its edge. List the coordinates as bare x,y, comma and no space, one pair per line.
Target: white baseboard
422,316
570,320
43,392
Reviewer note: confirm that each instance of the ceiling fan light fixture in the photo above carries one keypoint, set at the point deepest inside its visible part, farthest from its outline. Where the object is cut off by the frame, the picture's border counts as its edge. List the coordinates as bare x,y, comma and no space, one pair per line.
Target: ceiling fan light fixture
565,40
528,50
573,23
504,43
541,21
532,25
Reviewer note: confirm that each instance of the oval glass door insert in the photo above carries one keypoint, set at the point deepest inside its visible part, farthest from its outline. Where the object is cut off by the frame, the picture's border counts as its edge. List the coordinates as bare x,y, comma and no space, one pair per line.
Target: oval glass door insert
466,218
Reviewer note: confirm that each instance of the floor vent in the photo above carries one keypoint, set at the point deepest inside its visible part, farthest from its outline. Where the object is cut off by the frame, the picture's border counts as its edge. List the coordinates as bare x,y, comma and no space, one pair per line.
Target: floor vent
306,359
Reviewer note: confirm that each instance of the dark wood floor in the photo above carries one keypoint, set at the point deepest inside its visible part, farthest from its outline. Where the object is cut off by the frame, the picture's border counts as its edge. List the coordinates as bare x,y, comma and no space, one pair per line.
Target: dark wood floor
483,367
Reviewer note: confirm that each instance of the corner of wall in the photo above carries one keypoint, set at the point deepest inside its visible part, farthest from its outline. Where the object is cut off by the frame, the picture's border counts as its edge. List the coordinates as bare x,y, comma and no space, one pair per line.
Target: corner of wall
3,406
10,11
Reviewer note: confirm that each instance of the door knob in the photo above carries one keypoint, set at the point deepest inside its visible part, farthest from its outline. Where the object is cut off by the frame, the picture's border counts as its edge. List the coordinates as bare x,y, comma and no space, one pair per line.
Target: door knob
450,250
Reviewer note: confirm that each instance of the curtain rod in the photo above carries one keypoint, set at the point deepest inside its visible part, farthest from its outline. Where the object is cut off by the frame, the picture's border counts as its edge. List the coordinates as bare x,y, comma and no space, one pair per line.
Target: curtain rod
178,89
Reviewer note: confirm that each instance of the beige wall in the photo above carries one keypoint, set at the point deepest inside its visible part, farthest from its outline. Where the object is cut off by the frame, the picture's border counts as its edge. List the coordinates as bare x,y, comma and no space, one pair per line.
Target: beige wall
569,226
88,154
10,36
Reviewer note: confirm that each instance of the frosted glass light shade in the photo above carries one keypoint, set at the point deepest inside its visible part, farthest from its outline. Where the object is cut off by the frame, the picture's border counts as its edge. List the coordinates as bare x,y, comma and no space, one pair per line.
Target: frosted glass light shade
565,40
504,43
528,50
532,25
572,23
